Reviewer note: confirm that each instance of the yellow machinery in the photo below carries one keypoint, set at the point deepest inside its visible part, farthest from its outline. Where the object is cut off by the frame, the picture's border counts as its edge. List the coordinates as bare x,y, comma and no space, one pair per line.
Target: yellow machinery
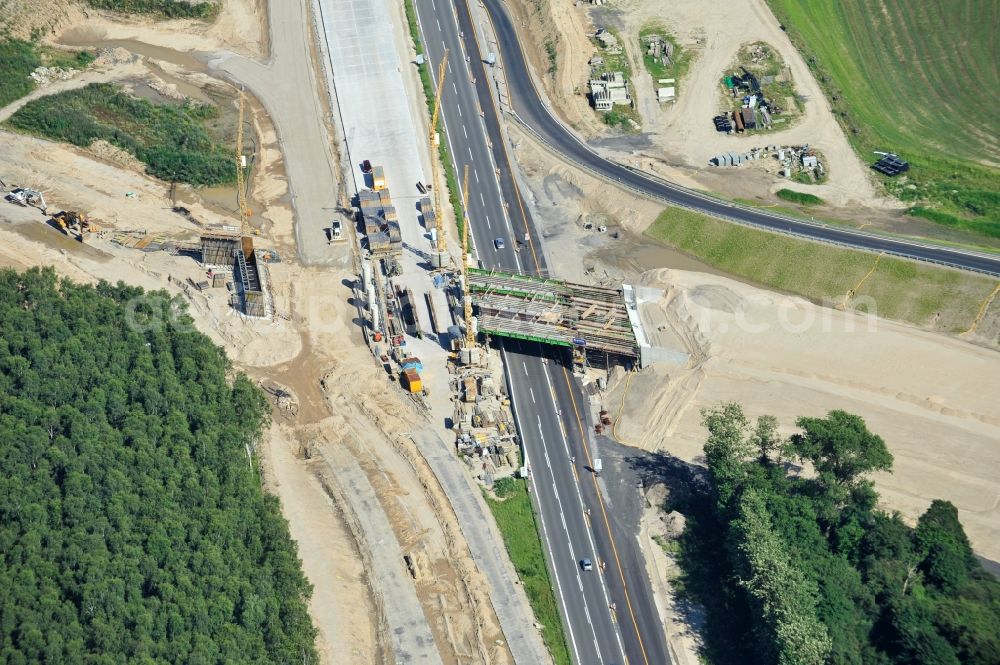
241,195
71,222
470,336
442,248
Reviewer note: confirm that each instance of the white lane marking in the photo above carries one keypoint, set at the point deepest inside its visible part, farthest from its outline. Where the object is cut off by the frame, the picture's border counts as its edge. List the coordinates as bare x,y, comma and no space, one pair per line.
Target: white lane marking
455,87
449,67
490,226
545,530
481,196
525,366
465,132
579,497
459,107
433,6
475,173
439,24
531,390
470,152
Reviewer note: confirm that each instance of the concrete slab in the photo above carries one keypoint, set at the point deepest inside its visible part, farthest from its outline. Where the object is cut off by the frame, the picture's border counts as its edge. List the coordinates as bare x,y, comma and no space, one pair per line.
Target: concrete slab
412,640
367,56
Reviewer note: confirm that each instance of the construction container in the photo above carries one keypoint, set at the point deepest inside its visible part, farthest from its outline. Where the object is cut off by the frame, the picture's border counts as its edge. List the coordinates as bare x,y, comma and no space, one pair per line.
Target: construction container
410,380
412,363
218,280
378,178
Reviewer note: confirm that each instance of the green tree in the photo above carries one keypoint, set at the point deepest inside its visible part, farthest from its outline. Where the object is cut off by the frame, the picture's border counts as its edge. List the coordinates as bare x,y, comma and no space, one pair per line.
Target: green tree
840,448
132,527
727,448
785,598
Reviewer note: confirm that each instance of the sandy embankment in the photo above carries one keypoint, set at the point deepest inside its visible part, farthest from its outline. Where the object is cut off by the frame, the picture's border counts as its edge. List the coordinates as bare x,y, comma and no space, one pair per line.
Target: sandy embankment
932,398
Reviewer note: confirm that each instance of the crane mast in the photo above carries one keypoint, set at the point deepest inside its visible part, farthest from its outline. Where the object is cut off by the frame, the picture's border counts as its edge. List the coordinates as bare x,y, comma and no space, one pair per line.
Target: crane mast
440,256
470,336
241,200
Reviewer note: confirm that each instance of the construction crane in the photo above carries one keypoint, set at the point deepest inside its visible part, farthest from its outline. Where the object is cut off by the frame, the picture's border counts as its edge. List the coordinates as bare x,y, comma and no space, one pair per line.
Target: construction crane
441,253
241,198
470,336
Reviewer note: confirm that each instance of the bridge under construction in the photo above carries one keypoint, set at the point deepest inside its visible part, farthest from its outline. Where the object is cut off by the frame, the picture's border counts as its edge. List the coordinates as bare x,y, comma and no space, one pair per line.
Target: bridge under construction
554,312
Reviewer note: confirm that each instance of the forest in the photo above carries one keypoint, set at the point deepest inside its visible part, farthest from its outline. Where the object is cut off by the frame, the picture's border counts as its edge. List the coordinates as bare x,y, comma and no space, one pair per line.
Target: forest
133,524
794,564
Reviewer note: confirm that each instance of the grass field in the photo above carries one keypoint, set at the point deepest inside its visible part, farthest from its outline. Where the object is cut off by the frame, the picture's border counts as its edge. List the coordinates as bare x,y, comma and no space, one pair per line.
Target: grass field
798,197
943,299
919,79
179,142
516,522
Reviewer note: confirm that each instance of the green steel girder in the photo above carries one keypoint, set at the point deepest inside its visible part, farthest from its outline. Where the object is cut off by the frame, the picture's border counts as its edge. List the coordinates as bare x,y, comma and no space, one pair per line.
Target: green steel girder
530,338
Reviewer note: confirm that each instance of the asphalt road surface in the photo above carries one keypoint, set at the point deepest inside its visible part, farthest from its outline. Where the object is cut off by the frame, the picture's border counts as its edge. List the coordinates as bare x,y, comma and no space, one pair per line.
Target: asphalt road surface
609,614
535,114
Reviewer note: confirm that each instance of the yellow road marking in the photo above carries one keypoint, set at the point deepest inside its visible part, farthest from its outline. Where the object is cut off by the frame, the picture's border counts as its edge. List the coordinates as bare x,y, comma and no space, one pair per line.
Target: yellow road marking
607,523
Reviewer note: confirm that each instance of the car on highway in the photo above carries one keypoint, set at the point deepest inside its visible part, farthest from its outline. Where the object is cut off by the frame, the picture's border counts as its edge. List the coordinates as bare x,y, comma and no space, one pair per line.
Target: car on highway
586,564
499,243
366,166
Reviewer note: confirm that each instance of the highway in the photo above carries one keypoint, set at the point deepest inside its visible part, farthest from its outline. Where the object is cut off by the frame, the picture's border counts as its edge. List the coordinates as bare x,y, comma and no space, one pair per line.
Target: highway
552,414
535,115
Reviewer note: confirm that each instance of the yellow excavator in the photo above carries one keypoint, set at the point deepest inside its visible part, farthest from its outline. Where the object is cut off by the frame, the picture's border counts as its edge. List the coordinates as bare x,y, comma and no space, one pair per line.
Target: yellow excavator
74,224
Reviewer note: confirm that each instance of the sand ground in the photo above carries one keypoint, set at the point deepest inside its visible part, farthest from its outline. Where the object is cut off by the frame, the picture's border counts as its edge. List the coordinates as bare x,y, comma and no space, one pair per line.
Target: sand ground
930,397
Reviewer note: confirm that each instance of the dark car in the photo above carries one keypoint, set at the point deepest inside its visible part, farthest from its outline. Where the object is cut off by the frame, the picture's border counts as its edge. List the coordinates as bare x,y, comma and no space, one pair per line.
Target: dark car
499,243
366,166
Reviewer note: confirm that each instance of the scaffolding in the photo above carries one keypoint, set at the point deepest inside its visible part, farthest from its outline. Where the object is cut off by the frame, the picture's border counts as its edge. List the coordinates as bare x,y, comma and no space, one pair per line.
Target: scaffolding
552,312
219,247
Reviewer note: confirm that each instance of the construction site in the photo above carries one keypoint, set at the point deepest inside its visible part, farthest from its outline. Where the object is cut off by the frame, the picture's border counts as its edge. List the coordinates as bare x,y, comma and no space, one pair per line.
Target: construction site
334,276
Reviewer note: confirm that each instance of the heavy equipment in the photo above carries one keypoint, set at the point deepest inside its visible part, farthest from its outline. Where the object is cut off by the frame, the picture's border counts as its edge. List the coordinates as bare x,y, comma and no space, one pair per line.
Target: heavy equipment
74,224
440,258
24,196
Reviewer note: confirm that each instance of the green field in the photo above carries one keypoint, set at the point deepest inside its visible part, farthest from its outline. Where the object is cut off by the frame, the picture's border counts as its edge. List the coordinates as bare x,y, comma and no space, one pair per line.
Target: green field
919,79
940,298
516,521
177,142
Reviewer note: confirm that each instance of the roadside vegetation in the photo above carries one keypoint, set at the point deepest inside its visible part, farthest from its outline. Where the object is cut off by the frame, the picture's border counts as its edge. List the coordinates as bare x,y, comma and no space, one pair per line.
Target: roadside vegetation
680,57
173,140
799,197
915,79
805,569
133,522
450,177
516,521
165,8
19,58
925,295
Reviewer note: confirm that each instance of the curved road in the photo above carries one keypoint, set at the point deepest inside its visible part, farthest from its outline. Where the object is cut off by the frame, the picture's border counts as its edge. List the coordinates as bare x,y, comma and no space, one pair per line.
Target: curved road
533,112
